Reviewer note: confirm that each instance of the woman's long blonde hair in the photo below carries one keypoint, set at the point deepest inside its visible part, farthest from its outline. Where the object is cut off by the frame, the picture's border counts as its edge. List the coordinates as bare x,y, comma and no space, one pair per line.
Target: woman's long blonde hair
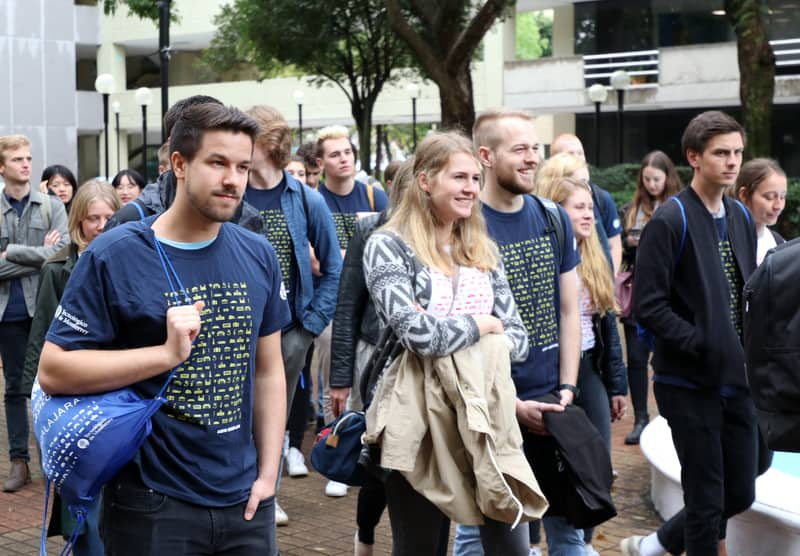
416,223
593,269
556,167
89,192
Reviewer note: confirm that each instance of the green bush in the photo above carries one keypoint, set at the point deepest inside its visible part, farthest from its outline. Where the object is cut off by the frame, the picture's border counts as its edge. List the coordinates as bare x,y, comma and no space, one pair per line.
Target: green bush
789,223
620,181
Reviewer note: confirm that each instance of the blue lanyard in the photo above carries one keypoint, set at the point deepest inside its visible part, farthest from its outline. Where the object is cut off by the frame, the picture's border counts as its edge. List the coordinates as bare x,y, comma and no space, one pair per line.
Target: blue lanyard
170,273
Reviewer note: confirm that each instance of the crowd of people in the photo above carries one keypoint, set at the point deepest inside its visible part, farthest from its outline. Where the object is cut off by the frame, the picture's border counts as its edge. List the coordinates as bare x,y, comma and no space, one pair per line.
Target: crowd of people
487,274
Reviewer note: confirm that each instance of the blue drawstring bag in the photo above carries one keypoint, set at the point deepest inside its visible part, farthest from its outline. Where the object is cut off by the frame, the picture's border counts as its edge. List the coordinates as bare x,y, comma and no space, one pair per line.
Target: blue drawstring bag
87,439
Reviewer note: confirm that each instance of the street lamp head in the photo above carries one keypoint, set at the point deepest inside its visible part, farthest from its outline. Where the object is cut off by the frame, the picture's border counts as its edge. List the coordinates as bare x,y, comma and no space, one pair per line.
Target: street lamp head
597,93
143,96
104,84
413,90
115,107
620,80
299,97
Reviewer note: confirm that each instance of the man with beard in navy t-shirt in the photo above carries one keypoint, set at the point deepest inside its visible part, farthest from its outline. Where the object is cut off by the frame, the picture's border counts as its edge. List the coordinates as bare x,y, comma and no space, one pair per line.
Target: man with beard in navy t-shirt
204,480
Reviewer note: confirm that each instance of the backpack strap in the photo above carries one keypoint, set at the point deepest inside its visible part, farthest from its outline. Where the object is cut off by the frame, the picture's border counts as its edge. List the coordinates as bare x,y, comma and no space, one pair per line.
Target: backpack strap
744,210
371,196
599,201
138,207
555,225
683,234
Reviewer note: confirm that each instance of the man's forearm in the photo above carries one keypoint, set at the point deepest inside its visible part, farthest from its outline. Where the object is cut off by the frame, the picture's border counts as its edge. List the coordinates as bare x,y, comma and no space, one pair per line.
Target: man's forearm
570,353
269,406
90,371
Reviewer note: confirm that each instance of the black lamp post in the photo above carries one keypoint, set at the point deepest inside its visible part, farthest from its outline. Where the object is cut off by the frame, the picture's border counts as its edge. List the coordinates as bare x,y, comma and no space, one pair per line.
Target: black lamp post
298,98
144,98
620,80
104,84
115,109
598,95
413,90
163,54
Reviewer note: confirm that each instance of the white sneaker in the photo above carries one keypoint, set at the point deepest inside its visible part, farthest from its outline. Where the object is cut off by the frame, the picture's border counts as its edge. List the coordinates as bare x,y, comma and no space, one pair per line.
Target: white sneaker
535,551
590,551
335,490
631,545
281,518
296,463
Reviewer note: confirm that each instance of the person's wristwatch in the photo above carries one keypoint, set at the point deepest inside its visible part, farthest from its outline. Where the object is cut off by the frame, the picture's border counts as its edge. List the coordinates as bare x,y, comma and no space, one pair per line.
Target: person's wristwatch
574,389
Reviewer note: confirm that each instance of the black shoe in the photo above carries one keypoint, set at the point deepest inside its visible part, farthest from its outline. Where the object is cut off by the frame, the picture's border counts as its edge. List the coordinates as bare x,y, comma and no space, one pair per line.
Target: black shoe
633,437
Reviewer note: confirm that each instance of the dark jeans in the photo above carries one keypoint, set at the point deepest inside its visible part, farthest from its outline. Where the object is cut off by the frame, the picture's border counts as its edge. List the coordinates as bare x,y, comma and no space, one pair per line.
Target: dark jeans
418,525
137,521
638,358
371,503
593,399
299,412
13,341
716,442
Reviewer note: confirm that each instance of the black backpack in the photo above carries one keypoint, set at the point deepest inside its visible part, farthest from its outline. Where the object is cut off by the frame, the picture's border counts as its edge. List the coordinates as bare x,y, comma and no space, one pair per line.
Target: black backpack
772,345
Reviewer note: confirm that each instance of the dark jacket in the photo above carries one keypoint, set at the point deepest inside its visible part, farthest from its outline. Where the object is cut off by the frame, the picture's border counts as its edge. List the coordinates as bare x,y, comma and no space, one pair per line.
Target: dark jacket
608,350
686,304
573,466
628,252
52,281
355,318
157,197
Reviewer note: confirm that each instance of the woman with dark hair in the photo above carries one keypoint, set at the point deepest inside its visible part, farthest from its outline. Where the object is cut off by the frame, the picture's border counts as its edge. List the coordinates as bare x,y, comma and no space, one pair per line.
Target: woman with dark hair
657,181
761,186
128,183
58,180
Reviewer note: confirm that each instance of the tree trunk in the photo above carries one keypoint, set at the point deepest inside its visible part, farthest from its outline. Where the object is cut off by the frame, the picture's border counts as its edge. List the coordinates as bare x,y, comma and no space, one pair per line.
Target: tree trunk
456,100
363,118
756,74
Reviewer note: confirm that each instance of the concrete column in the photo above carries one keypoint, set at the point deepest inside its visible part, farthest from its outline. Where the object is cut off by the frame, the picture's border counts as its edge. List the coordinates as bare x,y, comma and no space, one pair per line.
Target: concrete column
564,31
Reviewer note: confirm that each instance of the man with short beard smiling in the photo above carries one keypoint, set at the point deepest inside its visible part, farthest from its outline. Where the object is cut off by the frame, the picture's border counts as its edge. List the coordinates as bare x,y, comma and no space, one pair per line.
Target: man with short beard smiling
543,280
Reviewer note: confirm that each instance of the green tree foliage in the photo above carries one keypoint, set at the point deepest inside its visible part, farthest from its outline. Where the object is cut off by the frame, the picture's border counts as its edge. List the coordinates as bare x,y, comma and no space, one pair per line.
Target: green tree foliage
534,35
348,43
444,36
756,73
144,9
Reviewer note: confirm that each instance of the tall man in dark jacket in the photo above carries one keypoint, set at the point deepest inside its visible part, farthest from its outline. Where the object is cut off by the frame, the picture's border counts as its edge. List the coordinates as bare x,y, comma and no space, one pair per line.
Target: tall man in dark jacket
694,257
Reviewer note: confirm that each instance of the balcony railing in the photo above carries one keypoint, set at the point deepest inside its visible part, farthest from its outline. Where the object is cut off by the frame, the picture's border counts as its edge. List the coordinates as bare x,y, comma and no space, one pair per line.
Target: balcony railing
641,65
787,57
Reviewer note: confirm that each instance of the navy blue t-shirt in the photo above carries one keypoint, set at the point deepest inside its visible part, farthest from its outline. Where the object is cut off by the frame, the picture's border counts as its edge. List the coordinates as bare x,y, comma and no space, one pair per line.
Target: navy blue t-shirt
529,256
268,203
345,208
202,449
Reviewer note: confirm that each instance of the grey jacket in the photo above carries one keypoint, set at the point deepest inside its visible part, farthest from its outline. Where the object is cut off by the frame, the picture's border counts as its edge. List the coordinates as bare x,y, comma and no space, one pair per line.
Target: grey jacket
22,240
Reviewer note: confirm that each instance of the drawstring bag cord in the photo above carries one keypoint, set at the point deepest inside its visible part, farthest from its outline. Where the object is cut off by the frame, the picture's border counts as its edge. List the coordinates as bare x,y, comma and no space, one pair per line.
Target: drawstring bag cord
80,517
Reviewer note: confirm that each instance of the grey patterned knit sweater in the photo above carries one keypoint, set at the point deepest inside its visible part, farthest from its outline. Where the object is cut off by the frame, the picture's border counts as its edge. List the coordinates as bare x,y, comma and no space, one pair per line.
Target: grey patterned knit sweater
390,265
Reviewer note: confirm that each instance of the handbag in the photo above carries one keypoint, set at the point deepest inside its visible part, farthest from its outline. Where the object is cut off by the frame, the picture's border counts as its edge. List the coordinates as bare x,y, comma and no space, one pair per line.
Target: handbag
87,439
336,451
623,290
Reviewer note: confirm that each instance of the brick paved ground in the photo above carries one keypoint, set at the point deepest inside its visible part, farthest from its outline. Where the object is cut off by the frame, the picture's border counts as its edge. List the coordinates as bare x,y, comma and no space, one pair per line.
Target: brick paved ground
321,525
